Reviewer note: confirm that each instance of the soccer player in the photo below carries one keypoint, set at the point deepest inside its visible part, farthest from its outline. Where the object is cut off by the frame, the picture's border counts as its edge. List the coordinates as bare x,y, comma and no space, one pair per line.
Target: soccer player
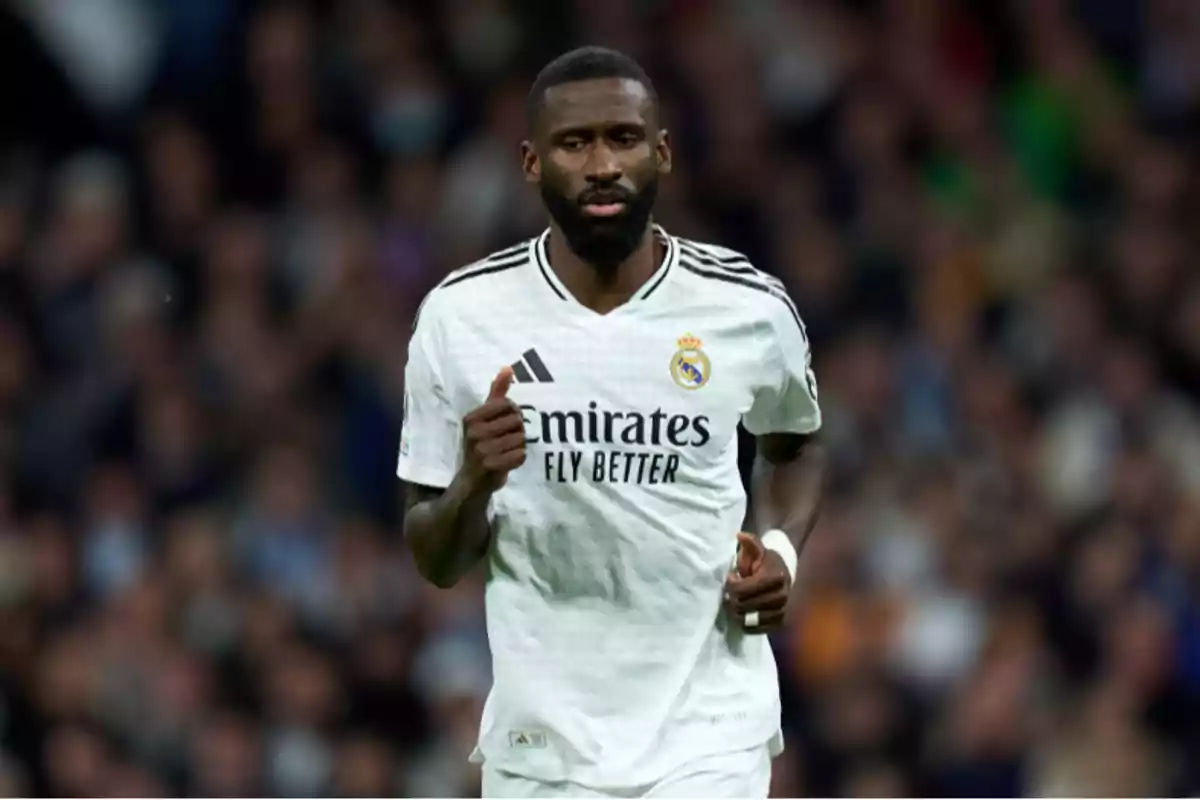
571,414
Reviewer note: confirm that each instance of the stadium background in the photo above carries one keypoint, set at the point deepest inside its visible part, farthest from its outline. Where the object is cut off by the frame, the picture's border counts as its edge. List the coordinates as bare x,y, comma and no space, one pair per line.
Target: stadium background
216,221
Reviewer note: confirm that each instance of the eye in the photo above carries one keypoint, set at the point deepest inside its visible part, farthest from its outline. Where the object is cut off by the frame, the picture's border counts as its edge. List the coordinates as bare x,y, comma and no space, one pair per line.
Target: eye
626,139
572,144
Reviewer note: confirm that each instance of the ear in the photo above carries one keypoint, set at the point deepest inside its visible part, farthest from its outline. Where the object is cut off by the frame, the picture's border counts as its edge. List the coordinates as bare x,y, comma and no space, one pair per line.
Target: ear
663,149
531,165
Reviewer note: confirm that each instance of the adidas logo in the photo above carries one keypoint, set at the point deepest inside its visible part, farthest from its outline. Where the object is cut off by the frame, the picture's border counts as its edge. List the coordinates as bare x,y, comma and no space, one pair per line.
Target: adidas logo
530,368
527,739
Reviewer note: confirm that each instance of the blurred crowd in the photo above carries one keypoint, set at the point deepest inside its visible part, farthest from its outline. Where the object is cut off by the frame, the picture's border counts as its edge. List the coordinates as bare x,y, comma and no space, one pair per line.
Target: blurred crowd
217,219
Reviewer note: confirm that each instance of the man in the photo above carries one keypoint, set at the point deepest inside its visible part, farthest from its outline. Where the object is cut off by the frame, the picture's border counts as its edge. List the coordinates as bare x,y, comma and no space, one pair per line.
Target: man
572,407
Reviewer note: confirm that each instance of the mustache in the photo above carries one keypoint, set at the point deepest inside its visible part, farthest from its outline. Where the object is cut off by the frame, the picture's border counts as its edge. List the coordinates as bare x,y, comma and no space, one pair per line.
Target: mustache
605,196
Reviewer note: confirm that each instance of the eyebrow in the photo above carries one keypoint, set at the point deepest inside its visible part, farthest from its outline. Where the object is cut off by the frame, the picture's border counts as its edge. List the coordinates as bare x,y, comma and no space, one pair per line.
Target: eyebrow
607,126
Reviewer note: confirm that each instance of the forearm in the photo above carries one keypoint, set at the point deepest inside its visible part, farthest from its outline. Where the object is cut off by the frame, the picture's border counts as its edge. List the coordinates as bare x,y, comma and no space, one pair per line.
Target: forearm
448,532
787,488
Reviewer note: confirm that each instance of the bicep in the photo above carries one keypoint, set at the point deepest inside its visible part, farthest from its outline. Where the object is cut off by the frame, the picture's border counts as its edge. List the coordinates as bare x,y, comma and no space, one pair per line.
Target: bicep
417,493
782,448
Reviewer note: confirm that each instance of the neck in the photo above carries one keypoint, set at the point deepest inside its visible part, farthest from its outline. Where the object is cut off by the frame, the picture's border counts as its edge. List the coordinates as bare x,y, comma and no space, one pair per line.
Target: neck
604,289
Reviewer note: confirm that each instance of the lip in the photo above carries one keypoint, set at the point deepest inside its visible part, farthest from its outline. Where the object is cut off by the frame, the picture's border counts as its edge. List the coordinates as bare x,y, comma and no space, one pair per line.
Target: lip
604,209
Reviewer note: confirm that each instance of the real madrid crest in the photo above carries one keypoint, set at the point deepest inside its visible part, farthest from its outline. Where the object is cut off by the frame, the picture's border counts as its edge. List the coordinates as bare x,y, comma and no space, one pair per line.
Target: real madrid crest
690,367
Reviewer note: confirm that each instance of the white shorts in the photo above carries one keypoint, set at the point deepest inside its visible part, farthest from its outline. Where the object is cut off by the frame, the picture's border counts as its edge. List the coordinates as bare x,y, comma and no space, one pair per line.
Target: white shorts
744,774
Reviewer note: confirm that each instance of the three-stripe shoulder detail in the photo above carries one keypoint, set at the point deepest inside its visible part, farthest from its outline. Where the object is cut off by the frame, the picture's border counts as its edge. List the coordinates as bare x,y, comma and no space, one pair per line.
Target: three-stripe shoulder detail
500,261
727,261
735,269
506,259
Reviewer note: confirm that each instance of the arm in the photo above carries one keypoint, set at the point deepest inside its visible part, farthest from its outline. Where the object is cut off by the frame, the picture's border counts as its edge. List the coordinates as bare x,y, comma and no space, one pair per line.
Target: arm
788,480
451,463
788,483
447,530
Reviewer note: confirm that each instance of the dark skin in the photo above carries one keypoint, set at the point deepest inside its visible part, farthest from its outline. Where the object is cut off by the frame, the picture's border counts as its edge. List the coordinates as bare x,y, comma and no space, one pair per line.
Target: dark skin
598,134
592,135
589,135
448,530
789,478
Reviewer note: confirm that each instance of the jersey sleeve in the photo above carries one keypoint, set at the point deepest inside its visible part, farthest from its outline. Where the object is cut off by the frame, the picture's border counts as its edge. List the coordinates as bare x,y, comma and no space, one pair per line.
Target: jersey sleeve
786,400
431,429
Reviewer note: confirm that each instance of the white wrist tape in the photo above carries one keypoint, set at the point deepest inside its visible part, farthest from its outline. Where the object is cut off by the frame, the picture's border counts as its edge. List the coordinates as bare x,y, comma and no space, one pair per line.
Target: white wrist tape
778,541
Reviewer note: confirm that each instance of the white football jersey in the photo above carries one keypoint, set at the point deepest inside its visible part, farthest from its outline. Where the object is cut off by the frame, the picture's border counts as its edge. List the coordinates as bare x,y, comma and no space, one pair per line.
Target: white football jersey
613,659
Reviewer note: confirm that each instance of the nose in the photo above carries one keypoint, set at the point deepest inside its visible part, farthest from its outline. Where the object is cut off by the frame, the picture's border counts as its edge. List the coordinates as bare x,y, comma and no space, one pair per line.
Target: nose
602,165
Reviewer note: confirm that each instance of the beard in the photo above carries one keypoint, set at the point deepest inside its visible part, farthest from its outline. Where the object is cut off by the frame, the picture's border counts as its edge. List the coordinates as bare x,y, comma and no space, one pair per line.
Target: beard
603,242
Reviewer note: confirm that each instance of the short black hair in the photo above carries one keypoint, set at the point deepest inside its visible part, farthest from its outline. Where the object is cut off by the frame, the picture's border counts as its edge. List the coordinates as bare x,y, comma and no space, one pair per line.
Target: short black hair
584,64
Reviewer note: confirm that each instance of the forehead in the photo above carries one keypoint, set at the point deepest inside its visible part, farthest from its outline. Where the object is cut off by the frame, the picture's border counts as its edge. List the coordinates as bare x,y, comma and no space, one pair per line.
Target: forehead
592,103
